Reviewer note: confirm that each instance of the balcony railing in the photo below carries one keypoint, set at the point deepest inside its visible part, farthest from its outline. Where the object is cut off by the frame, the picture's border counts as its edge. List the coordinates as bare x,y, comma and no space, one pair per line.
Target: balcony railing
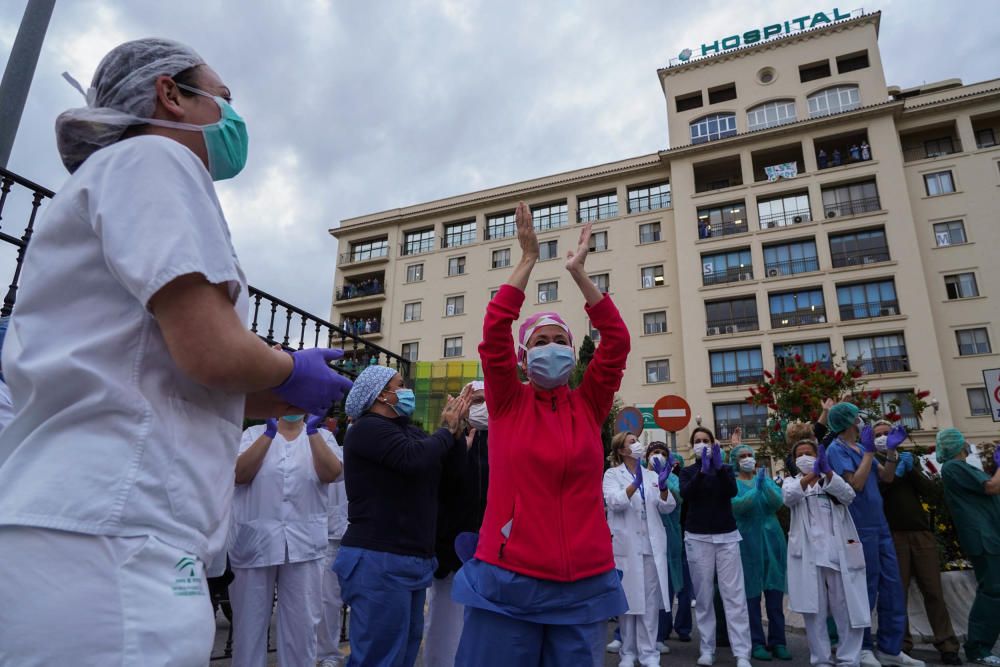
735,377
417,247
861,311
783,362
873,256
361,326
352,257
899,363
798,318
852,207
710,231
934,148
349,291
649,203
791,267
730,275
720,327
752,429
499,232
456,240
785,219
593,213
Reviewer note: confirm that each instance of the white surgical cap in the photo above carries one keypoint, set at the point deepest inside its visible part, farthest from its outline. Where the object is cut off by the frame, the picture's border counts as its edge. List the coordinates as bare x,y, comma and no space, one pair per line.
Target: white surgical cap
121,94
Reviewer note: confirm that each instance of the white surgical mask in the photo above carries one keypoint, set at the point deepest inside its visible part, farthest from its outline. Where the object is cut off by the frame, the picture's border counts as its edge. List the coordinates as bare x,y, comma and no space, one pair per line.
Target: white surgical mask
657,458
637,450
748,464
479,417
699,447
805,464
880,443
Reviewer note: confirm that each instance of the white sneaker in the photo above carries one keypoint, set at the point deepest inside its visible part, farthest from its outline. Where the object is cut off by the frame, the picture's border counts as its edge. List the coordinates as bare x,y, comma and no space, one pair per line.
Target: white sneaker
662,648
614,646
900,659
868,659
706,660
742,662
990,660
331,662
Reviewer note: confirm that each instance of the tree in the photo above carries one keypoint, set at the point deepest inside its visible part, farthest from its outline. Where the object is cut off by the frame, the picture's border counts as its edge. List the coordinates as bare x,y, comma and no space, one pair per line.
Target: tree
587,350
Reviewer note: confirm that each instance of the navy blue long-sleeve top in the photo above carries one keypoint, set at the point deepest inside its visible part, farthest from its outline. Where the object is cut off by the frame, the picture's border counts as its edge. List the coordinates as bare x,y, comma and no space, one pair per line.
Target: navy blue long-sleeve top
392,471
708,500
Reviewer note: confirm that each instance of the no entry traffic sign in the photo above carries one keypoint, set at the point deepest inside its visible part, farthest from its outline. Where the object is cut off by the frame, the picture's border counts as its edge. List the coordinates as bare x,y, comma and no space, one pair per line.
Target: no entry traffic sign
671,413
629,419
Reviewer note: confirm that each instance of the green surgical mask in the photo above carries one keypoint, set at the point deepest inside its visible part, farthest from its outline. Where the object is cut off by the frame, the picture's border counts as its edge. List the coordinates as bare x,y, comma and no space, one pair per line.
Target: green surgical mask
292,418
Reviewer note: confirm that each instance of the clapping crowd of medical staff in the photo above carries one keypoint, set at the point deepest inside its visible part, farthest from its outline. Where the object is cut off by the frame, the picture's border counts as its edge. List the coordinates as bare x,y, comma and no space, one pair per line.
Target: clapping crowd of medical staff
125,481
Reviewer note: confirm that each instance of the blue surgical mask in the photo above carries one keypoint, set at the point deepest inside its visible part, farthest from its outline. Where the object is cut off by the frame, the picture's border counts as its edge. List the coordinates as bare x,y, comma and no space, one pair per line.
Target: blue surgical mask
406,402
549,366
292,418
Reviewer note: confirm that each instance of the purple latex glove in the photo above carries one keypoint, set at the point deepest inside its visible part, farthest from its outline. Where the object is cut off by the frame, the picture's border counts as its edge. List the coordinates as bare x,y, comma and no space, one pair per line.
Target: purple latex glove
759,480
716,456
996,457
314,423
896,437
662,471
465,545
822,466
313,385
271,428
637,481
867,439
706,461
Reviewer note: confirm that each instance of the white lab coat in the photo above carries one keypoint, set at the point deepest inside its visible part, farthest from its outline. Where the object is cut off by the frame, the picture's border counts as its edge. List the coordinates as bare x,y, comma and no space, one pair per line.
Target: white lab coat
624,515
803,573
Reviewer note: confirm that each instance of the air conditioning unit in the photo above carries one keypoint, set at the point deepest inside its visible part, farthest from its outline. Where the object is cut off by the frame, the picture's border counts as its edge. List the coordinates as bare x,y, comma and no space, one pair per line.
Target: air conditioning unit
797,219
869,260
746,276
713,331
732,328
773,272
889,310
831,214
821,318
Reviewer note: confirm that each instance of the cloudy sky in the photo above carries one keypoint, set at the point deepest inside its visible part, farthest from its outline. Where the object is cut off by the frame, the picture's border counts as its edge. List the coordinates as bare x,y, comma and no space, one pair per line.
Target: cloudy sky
355,107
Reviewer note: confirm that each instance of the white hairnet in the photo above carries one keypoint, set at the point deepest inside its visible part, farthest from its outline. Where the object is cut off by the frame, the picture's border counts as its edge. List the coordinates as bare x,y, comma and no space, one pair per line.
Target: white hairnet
121,94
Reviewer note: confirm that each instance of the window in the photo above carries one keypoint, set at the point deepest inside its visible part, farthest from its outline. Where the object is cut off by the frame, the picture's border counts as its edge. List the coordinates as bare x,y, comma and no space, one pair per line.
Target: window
833,100
689,101
850,199
456,266
549,216
597,207
731,316
793,309
411,312
751,418
877,354
500,226
771,114
414,273
654,323
859,248
652,276
722,220
852,62
657,370
722,93
649,197
985,138
548,291
548,250
939,183
864,300
501,258
410,351
961,286
938,147
602,282
898,402
950,233
979,402
649,233
787,259
453,347
731,367
973,341
595,335
817,352
813,71
726,267
715,126
418,241
783,211
493,293
364,250
459,233
598,242
454,305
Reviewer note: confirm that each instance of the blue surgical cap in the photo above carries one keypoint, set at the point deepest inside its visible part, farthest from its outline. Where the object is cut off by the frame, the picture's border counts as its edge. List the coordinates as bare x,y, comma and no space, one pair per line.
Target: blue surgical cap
366,389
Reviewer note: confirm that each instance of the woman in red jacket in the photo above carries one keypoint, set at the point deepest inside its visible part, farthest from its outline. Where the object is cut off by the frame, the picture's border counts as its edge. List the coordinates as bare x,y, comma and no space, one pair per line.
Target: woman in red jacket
542,584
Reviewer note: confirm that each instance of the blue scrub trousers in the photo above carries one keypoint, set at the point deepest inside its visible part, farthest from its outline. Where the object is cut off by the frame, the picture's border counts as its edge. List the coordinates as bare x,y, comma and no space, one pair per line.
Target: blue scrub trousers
682,623
774,602
386,595
490,639
885,589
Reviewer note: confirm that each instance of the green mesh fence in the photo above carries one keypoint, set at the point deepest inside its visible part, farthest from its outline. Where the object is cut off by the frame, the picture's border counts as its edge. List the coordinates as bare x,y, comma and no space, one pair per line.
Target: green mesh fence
433,381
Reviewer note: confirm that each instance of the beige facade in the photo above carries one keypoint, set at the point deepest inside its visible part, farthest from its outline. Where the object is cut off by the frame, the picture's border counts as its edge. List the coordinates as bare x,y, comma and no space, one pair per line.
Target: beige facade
718,268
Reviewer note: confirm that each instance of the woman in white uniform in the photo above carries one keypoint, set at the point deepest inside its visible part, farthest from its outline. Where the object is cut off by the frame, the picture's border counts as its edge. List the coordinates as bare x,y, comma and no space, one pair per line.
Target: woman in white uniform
635,500
331,618
131,369
280,528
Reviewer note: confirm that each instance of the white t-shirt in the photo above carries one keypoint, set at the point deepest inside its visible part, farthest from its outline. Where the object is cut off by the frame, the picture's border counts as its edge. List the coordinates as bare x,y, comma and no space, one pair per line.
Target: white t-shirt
281,516
110,437
337,500
6,406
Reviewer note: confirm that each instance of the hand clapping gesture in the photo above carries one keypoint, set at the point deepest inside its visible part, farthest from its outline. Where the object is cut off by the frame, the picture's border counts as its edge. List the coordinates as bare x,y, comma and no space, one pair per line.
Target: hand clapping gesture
456,410
526,231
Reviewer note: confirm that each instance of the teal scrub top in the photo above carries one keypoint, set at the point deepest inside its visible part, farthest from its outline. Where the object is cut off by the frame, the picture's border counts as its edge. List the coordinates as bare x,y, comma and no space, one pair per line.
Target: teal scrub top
675,544
976,515
763,548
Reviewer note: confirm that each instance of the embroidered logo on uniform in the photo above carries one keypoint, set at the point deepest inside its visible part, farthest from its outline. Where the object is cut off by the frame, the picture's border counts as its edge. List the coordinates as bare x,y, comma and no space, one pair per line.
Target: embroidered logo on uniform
186,562
191,584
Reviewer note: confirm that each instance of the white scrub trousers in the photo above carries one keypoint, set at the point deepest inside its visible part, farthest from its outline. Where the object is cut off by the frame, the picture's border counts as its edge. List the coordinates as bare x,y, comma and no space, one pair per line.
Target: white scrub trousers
708,561
443,627
639,630
299,599
831,602
71,598
328,636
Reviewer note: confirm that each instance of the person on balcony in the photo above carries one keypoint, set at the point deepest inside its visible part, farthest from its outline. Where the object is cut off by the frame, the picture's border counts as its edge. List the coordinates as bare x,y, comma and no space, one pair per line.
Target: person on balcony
866,151
386,557
762,550
973,497
821,159
916,546
711,541
280,518
543,570
835,159
852,455
113,472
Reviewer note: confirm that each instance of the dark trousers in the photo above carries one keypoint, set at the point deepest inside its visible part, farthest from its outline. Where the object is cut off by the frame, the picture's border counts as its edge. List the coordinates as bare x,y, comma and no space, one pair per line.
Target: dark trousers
774,603
917,555
984,617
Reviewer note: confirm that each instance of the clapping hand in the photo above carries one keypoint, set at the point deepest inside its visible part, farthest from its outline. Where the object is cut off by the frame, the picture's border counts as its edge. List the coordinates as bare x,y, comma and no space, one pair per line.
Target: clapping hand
314,423
867,439
271,428
575,260
896,437
822,466
706,461
455,410
662,471
761,476
526,231
717,456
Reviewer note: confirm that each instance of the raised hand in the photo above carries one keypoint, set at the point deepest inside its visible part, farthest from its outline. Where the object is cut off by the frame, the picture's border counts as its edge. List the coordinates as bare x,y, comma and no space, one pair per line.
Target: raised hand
314,423
706,461
312,384
736,439
526,231
827,404
896,437
455,410
717,456
822,465
575,260
271,428
662,471
867,439
905,464
637,479
761,476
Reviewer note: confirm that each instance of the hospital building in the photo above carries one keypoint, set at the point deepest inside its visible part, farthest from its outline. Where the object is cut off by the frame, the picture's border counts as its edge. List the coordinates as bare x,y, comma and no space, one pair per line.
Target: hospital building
805,207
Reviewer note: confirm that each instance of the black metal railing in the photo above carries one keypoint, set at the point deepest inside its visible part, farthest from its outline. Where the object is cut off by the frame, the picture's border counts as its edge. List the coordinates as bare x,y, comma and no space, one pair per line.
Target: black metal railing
865,310
873,256
798,318
729,275
416,247
38,194
366,288
499,232
852,207
739,376
934,148
354,257
736,325
791,267
787,361
598,212
456,240
711,231
785,219
649,202
895,363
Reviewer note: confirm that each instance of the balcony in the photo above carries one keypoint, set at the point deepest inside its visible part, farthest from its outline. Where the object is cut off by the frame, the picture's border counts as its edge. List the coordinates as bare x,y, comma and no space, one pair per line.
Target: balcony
772,164
861,311
417,247
986,130
752,429
871,256
361,287
791,267
357,258
851,207
842,149
718,174
930,142
362,325
786,218
788,362
710,231
730,275
731,326
737,377
798,318
884,364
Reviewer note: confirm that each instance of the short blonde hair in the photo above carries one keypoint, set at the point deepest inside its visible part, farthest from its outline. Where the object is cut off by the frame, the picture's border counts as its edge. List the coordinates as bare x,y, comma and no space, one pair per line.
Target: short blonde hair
799,431
617,442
